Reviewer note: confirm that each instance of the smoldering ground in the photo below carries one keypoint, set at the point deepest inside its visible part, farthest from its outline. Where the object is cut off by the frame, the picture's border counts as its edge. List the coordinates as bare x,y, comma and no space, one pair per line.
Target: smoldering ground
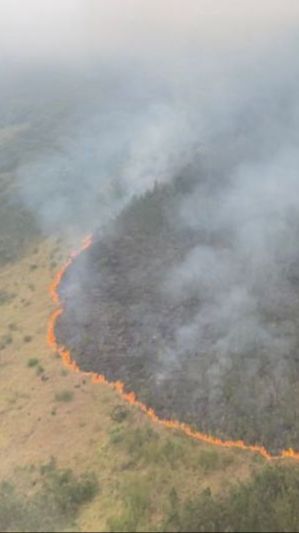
203,100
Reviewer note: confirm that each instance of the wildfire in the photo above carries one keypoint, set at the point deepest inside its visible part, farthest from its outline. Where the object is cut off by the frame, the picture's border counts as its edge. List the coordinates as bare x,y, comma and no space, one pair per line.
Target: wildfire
130,397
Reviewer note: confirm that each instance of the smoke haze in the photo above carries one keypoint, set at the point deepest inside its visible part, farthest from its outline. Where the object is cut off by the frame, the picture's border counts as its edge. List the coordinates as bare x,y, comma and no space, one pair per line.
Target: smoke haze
102,99
116,95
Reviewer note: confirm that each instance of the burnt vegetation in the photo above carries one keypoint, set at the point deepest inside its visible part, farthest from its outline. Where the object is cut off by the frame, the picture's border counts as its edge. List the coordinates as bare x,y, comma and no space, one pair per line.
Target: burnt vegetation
121,322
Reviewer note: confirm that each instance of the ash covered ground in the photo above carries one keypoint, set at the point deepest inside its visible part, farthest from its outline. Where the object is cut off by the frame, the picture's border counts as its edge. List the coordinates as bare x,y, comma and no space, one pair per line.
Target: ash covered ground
198,330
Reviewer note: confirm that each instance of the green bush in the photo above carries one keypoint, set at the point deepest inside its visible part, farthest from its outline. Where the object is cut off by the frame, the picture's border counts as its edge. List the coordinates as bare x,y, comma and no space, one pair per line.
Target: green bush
141,444
13,514
65,490
137,508
53,506
64,396
5,340
209,460
268,502
5,297
33,361
116,436
119,413
40,370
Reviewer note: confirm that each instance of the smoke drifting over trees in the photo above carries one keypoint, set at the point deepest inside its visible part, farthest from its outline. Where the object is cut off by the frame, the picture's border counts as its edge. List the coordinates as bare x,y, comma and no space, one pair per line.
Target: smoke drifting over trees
114,97
117,95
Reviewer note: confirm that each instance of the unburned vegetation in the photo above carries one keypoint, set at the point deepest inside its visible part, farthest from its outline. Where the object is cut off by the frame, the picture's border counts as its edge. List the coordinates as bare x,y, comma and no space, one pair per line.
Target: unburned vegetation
268,502
47,498
170,485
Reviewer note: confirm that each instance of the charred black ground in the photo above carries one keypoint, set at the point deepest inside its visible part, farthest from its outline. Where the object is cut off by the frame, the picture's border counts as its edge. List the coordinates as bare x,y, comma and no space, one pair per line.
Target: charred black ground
119,321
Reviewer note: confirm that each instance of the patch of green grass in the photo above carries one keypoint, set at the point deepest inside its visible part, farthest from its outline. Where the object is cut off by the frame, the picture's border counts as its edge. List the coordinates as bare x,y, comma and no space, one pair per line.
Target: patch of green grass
119,413
5,297
212,459
52,506
116,436
140,443
40,370
33,361
5,340
137,508
209,460
268,502
64,396
172,451
144,445
68,491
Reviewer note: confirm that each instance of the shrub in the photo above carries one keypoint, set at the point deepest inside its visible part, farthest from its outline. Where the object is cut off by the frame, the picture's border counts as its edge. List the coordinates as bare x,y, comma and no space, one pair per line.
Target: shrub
209,460
268,502
64,396
68,492
12,509
119,413
53,506
40,370
5,297
33,361
5,341
137,499
116,436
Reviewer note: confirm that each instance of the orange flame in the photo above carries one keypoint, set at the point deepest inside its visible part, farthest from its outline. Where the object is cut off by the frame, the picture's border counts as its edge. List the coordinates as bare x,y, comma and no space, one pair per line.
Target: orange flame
130,397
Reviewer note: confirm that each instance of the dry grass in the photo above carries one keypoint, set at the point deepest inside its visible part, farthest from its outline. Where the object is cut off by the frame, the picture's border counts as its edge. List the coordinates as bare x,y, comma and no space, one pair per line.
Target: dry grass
84,434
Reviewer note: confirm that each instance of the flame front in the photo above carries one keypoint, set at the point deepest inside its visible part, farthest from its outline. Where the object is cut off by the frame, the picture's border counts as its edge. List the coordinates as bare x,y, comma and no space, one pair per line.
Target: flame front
130,397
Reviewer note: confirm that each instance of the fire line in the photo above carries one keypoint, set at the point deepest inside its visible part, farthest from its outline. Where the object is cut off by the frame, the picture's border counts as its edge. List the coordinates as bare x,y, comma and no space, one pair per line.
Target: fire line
119,387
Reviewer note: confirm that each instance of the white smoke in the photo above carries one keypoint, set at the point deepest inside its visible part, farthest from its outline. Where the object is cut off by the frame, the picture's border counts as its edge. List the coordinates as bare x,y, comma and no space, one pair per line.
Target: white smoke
119,94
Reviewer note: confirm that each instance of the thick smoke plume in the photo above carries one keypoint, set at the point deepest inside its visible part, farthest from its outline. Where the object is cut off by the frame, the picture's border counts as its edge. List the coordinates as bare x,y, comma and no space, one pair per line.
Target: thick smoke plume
117,95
